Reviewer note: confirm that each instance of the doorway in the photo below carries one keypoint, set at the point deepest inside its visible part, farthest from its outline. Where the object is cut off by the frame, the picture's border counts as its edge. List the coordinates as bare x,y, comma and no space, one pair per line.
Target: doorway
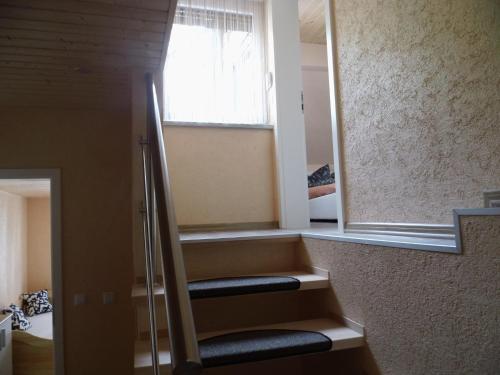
30,271
318,112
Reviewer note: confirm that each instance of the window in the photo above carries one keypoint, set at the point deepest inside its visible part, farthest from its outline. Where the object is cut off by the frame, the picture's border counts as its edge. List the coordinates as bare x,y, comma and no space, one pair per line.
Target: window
215,67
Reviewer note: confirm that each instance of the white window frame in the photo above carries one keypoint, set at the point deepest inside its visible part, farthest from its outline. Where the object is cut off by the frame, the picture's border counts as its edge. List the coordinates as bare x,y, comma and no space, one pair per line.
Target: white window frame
266,125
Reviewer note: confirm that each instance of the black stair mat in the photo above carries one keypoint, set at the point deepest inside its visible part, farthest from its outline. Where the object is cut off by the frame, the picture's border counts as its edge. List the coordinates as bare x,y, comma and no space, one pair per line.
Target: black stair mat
259,345
231,286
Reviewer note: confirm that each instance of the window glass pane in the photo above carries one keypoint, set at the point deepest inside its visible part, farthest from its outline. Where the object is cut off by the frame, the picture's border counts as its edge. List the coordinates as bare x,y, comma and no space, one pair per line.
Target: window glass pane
215,66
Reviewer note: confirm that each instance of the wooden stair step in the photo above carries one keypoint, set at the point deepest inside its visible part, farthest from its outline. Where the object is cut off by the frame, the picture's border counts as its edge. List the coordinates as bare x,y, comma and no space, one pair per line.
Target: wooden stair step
240,285
254,343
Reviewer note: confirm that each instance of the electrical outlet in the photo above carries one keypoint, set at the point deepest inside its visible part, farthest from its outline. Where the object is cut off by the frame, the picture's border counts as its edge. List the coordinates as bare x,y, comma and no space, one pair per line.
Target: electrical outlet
495,203
108,298
491,198
79,299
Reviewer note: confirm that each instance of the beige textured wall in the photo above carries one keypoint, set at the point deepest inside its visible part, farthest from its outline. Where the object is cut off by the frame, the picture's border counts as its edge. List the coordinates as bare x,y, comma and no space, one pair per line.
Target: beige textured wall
421,104
92,148
13,248
39,245
222,176
424,313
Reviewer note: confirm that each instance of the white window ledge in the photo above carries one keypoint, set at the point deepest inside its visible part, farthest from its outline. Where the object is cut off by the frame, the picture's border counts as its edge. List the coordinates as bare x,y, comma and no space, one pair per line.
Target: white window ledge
218,125
425,244
451,245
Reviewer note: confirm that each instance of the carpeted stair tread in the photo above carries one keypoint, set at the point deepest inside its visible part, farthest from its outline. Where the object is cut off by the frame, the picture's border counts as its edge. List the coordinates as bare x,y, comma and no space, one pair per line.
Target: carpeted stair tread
259,345
231,286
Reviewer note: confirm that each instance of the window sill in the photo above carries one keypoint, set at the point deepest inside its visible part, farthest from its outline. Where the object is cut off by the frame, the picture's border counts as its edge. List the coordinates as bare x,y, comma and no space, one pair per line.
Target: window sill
399,242
218,126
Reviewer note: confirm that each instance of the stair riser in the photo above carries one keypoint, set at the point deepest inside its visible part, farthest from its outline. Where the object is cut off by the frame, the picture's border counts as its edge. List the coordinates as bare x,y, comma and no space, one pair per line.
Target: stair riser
241,311
238,258
220,259
288,366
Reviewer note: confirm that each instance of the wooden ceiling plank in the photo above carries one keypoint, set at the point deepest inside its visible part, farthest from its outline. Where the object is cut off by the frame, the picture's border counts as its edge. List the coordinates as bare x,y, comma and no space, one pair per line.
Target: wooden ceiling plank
166,34
80,19
135,4
90,8
79,47
74,77
64,95
8,34
59,101
43,66
17,80
64,28
75,59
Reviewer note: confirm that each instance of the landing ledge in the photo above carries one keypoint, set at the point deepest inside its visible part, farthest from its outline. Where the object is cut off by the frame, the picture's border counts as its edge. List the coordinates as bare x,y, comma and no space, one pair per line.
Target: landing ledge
415,243
450,244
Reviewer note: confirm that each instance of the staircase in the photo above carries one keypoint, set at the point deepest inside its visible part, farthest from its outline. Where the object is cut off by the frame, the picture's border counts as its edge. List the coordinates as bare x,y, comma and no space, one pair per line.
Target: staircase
247,298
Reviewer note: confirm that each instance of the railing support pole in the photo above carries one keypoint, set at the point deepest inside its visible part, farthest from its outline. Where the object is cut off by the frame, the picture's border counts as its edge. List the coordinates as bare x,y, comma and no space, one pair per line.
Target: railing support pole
150,268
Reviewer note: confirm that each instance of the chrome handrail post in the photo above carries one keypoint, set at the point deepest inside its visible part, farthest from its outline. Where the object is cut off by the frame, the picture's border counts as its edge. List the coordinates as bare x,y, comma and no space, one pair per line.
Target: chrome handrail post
150,274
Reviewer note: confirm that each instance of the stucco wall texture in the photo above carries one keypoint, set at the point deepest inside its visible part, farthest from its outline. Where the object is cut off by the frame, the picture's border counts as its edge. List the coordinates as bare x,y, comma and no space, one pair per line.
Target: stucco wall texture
424,313
420,97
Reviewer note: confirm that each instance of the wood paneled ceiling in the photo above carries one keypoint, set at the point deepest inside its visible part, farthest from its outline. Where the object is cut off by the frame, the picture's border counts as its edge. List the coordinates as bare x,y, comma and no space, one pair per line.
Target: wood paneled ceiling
312,21
78,52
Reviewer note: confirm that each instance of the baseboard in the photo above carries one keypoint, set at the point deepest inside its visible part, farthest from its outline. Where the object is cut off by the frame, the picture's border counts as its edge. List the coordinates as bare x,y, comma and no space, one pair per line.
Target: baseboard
438,231
221,227
349,323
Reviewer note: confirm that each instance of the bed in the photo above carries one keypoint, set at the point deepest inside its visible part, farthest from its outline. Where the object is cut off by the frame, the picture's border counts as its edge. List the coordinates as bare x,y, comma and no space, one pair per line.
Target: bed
33,350
324,207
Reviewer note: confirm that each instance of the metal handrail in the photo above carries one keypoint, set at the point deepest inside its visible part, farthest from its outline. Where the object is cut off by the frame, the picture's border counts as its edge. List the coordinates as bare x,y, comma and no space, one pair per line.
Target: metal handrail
182,334
149,259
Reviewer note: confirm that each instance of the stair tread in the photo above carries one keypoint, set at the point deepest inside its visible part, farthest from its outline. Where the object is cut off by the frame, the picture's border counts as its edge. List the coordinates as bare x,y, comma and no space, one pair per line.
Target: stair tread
306,341
241,235
246,284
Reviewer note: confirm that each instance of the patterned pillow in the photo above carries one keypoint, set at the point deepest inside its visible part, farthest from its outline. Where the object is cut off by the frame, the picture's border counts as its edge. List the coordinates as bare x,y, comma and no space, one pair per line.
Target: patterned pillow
36,303
321,176
19,321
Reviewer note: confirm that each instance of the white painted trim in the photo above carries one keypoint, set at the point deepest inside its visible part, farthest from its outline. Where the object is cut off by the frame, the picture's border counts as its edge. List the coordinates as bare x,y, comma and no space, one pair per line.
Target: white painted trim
336,111
400,242
54,175
440,231
217,125
286,112
412,241
457,213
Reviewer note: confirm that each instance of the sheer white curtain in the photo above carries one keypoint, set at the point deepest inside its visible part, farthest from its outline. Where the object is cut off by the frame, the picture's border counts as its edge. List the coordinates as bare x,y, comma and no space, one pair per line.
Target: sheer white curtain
215,67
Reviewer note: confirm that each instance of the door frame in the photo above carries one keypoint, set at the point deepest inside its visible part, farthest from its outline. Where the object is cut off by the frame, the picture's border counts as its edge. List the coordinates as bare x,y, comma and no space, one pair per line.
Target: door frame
336,111
54,175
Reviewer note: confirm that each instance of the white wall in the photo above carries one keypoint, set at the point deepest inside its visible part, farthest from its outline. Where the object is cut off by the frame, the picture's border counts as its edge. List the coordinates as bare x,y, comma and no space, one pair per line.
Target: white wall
317,114
39,244
13,248
313,55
